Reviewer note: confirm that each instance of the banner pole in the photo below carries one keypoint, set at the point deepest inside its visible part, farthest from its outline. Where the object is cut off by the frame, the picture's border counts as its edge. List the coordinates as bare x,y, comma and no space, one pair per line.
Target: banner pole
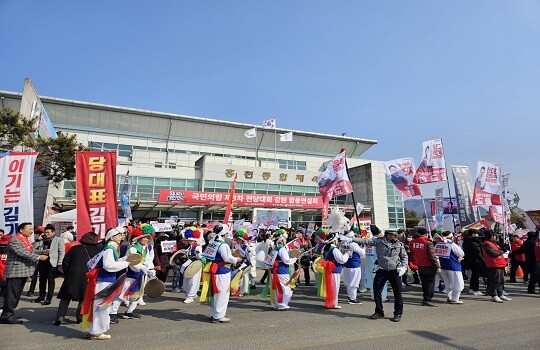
352,194
449,193
426,216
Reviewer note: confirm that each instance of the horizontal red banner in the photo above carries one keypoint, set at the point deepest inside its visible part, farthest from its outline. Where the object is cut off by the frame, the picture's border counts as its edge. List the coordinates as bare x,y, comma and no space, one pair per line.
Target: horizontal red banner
240,199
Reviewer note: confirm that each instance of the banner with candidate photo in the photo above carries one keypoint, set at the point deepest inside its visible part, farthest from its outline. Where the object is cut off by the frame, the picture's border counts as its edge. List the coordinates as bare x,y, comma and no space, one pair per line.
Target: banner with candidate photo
401,173
334,180
487,186
433,167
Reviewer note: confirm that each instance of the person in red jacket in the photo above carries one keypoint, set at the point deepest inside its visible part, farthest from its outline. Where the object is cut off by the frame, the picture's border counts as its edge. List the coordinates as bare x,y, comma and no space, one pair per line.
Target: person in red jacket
495,264
4,240
517,259
423,253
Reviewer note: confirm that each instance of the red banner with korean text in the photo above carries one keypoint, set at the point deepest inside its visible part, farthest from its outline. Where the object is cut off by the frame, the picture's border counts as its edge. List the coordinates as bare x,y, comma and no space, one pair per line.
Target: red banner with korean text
240,199
228,212
96,192
16,189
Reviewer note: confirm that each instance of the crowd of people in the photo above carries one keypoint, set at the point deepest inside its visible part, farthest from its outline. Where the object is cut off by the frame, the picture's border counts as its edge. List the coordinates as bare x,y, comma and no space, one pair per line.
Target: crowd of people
215,263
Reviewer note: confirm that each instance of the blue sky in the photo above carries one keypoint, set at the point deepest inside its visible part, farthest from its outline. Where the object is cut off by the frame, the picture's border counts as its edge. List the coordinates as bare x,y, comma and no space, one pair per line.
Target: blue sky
399,72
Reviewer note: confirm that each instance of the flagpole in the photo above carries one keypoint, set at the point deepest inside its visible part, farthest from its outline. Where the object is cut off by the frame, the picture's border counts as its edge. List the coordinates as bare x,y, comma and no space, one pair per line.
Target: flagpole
256,150
275,145
426,223
352,193
449,195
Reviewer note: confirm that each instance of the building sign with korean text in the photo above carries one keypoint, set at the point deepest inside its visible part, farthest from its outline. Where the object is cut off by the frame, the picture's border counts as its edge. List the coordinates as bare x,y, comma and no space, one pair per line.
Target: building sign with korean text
240,199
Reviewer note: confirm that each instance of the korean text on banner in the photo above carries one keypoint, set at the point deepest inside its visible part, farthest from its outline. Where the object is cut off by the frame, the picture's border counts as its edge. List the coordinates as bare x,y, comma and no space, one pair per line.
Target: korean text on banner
433,167
334,181
462,183
401,173
487,186
96,192
16,189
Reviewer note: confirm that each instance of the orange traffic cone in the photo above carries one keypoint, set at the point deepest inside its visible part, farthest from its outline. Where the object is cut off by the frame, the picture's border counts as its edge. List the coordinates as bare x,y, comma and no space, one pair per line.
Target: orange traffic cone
519,272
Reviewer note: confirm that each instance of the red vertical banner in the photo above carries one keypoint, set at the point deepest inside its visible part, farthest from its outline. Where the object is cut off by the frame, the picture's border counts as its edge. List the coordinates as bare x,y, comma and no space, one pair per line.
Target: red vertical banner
96,192
228,211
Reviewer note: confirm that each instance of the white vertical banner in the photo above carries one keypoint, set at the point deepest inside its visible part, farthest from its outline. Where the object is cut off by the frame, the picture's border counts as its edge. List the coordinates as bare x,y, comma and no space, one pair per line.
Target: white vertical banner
487,186
432,168
17,189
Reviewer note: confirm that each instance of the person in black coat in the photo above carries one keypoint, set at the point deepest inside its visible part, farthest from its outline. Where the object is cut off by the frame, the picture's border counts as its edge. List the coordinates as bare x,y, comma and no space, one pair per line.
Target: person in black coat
75,269
473,260
530,261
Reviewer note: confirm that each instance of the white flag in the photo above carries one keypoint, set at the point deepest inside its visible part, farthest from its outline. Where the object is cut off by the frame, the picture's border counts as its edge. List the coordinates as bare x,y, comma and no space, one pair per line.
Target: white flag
270,123
285,137
251,133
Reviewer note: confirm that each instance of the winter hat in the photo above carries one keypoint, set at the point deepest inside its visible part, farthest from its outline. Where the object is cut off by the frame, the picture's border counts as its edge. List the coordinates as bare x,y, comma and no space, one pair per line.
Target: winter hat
113,232
242,234
421,231
192,234
67,236
221,229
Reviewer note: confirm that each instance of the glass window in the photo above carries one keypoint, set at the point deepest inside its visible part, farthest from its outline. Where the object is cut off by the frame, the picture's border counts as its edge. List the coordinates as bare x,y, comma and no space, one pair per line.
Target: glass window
286,188
273,187
263,187
159,165
125,147
124,153
69,184
159,188
145,180
172,165
249,186
192,184
223,184
110,146
209,183
162,181
145,188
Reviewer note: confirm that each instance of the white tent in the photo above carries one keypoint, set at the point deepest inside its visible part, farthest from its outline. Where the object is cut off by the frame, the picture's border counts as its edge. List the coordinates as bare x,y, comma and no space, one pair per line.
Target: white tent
67,216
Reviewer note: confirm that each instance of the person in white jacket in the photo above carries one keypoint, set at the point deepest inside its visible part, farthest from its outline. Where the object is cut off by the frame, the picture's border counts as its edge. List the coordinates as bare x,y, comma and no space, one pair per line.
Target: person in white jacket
450,255
352,270
190,285
333,258
104,266
280,272
136,277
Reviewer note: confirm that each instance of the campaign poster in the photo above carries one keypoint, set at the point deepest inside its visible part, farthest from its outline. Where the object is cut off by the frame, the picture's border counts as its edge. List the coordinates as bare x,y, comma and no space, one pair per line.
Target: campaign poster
432,168
401,173
487,186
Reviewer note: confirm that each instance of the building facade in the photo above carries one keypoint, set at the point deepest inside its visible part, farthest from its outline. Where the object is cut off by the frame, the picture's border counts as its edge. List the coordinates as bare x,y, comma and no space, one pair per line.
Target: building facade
177,154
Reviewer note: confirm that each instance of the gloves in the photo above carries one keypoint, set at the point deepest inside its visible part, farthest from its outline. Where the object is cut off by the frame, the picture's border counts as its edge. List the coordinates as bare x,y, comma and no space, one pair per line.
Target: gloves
152,273
344,239
401,270
142,268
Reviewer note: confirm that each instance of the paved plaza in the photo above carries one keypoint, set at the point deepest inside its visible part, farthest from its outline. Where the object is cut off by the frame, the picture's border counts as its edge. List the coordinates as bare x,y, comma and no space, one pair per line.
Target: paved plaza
167,323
